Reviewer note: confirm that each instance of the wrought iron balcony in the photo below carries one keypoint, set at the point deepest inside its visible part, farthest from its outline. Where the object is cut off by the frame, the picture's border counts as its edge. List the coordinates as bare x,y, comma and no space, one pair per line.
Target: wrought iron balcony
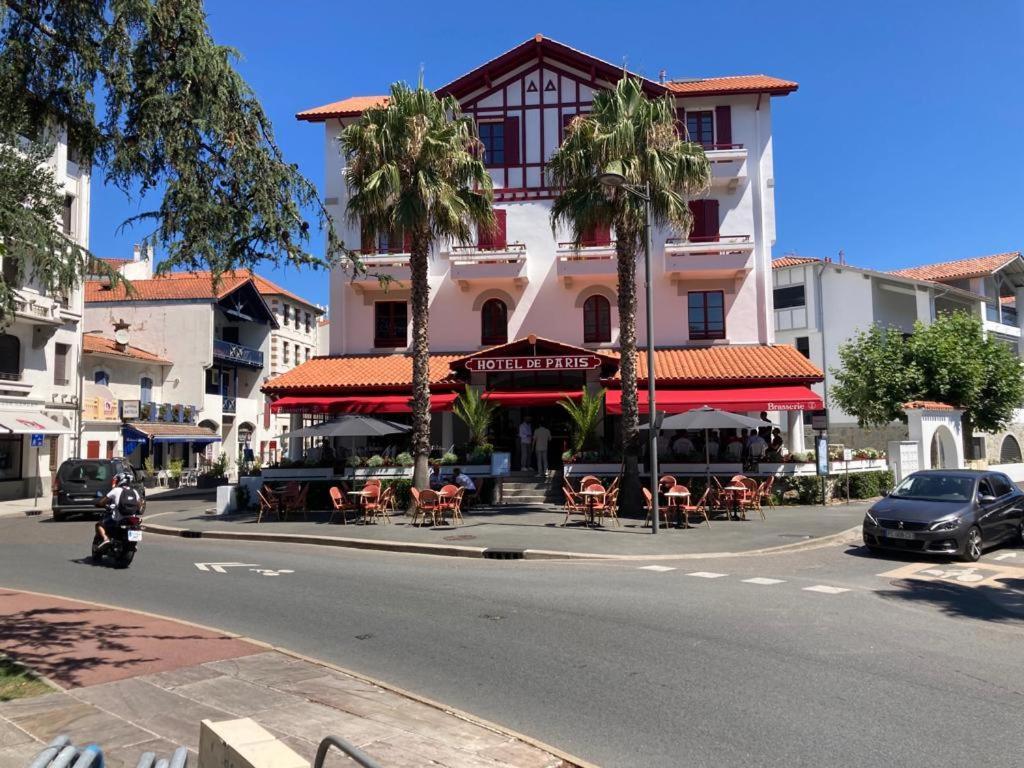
227,351
228,404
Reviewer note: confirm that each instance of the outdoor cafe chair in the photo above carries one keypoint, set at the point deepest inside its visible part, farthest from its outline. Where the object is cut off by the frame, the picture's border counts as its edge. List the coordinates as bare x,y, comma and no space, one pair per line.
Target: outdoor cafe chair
764,493
684,509
378,507
666,482
455,506
611,507
267,505
752,498
587,480
426,506
296,503
649,505
573,504
340,505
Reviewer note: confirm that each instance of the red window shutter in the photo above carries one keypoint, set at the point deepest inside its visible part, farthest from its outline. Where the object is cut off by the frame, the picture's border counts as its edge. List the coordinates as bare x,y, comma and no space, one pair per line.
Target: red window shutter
705,219
511,141
697,216
266,415
597,235
723,125
92,449
711,222
494,239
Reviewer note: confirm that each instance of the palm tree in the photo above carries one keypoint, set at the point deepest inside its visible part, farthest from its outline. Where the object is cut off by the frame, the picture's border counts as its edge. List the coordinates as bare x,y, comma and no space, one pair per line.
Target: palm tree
476,413
414,167
638,136
585,416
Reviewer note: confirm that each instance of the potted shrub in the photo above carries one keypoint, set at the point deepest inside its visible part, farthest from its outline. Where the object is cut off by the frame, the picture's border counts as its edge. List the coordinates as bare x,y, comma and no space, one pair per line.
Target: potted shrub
174,468
149,480
405,459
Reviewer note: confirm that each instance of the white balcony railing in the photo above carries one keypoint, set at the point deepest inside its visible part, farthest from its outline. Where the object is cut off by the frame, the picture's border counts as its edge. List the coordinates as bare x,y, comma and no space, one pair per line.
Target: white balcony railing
470,264
714,256
387,264
587,261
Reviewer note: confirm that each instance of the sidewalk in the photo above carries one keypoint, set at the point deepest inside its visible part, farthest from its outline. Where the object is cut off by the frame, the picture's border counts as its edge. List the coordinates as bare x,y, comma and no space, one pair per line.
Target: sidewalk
31,506
137,683
532,530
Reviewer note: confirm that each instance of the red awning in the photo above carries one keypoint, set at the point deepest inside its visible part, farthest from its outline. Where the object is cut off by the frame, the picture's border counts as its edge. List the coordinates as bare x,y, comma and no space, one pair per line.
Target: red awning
791,398
370,404
530,398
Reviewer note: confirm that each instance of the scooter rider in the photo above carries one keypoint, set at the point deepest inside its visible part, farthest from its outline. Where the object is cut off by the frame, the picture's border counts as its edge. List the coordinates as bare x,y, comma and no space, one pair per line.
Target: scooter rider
112,501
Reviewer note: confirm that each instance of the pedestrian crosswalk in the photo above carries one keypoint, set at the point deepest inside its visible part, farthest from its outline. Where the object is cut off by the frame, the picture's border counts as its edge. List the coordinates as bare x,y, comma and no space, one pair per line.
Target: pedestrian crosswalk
761,581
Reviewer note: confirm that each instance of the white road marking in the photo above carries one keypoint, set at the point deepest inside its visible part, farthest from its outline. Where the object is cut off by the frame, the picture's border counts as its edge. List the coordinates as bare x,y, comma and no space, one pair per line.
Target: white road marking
269,572
707,574
825,590
763,581
658,568
1007,556
219,567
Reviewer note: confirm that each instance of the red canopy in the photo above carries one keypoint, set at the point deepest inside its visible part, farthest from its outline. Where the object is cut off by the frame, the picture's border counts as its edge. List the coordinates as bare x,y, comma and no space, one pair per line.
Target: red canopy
774,398
530,398
370,404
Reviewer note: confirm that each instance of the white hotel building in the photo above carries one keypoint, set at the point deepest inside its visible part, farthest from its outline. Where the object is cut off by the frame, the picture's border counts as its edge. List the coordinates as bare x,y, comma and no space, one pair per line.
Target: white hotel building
525,291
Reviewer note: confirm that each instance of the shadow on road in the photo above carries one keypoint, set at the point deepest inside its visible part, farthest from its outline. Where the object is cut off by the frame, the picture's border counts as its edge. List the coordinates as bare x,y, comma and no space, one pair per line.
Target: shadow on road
1002,605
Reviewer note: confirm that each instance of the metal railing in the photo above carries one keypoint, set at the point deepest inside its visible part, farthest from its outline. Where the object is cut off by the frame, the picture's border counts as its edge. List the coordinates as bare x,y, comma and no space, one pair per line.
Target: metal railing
228,404
338,743
236,353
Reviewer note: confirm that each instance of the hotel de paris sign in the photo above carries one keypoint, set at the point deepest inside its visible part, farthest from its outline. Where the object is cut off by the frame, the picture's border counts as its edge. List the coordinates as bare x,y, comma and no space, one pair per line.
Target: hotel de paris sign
538,363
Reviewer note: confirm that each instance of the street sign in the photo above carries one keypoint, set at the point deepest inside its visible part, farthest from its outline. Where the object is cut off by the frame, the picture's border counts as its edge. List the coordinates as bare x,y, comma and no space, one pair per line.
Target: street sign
821,455
501,463
37,441
130,409
819,421
538,363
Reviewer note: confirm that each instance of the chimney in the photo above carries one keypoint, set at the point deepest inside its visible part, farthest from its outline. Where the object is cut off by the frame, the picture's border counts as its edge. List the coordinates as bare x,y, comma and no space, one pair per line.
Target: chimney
136,252
662,76
842,256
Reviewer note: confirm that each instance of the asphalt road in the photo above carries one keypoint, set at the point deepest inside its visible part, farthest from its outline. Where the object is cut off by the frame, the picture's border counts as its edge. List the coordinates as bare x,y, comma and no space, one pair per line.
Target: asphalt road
621,665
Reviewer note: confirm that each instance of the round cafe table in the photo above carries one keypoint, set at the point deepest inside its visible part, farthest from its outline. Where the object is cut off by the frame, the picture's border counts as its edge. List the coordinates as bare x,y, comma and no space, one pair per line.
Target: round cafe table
592,496
361,497
735,492
681,516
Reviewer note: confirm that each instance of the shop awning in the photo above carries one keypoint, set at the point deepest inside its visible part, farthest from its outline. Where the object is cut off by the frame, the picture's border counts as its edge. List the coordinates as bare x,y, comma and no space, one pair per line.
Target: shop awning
738,399
439,401
514,399
30,423
167,432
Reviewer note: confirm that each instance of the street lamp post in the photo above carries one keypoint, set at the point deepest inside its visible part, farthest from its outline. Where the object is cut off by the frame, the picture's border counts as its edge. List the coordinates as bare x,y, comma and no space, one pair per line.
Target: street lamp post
613,179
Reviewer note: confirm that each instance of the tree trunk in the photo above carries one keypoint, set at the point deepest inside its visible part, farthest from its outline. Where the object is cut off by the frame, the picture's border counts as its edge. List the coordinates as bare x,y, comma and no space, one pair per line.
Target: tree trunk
629,495
420,305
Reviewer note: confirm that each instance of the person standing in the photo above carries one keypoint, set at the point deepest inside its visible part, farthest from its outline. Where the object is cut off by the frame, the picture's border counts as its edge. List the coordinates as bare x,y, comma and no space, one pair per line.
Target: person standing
541,438
525,444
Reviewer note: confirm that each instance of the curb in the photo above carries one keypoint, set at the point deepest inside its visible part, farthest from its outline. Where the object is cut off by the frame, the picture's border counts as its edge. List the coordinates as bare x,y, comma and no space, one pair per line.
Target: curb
572,760
450,550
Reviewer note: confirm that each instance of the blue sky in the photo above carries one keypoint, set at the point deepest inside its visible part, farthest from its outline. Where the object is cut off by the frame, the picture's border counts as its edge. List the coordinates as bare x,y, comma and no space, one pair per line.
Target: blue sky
903,144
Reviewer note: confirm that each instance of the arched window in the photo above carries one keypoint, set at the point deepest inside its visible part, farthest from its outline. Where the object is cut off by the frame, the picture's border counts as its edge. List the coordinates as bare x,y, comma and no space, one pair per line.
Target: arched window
597,320
101,377
146,389
493,322
1009,452
10,356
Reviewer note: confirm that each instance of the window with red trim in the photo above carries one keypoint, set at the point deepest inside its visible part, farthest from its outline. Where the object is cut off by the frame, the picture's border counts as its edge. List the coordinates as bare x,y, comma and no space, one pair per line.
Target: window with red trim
500,139
597,320
494,322
700,125
706,314
390,324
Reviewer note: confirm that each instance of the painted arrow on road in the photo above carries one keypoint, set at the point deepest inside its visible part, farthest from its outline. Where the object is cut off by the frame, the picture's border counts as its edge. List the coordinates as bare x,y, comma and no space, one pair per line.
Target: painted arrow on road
220,567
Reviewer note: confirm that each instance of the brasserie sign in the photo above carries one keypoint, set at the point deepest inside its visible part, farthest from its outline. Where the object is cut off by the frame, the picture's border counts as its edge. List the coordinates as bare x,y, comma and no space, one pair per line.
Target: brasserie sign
537,363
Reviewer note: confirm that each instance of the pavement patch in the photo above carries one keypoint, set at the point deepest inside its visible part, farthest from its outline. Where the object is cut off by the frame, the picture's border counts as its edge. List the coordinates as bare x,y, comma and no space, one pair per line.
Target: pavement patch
824,589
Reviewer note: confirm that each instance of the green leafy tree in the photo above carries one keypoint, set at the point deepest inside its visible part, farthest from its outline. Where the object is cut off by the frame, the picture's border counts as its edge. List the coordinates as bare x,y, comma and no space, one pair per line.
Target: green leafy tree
585,416
414,166
876,378
476,413
950,360
177,125
638,136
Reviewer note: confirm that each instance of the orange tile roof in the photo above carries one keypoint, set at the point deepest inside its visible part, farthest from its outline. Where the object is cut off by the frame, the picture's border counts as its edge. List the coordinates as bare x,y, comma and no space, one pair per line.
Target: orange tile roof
735,364
927,405
185,285
979,266
350,107
358,372
712,86
97,344
793,261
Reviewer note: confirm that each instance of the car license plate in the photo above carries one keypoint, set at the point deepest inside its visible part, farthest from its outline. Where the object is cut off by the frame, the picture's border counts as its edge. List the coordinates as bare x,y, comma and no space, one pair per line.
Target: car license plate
899,534
84,498
134,535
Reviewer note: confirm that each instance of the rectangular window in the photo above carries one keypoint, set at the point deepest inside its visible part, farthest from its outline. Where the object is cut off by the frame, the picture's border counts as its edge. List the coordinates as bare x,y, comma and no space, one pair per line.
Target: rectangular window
68,215
706,314
700,125
390,324
285,353
309,322
789,297
309,354
60,363
492,136
92,449
803,346
10,271
285,314
111,447
10,457
229,333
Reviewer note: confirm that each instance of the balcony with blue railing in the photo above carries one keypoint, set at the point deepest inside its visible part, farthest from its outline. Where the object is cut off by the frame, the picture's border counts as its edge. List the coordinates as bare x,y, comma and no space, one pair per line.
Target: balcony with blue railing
228,404
236,354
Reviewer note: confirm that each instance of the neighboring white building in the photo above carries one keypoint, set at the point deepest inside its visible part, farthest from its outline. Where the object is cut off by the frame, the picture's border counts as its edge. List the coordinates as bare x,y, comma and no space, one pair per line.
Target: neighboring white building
219,346
821,304
712,289
39,357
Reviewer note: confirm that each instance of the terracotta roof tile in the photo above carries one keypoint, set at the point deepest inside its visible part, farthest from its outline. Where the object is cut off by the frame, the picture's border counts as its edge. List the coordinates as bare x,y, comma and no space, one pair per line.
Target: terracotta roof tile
927,405
793,261
185,285
97,344
350,107
708,86
735,364
979,266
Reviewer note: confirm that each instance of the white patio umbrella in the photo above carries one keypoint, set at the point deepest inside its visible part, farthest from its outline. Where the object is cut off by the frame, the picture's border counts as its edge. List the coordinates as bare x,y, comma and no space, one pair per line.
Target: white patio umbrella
351,425
708,418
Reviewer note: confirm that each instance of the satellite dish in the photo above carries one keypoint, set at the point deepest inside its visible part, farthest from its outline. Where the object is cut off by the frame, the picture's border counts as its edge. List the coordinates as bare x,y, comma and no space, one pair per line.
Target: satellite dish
121,336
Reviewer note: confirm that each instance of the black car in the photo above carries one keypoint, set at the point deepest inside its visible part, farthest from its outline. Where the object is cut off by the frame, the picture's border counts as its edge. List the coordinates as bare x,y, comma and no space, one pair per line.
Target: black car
947,512
79,480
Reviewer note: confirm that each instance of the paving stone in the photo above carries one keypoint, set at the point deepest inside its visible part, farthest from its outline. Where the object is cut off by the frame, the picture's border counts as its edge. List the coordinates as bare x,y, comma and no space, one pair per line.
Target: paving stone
50,702
330,684
237,696
313,722
455,755
396,755
83,724
184,676
11,735
19,755
271,668
419,718
133,699
521,755
128,757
